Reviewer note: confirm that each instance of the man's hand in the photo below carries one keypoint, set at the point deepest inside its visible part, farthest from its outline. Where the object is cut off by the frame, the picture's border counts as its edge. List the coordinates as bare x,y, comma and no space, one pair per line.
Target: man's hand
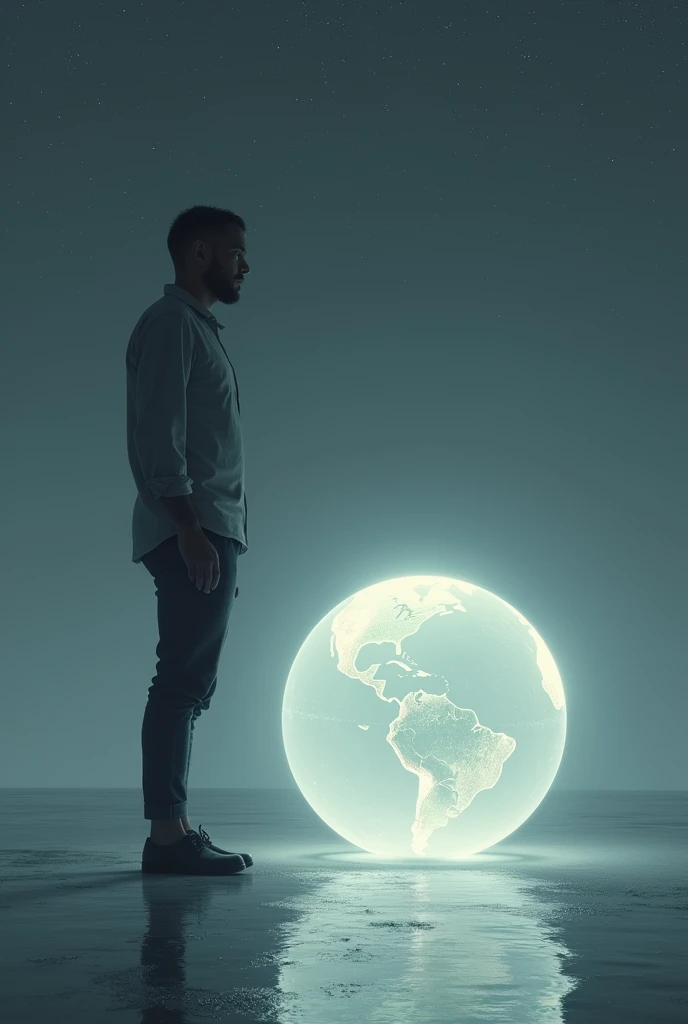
200,557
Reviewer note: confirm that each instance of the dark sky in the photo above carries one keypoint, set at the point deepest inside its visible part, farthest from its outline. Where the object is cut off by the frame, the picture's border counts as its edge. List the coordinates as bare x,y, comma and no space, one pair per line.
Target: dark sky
461,348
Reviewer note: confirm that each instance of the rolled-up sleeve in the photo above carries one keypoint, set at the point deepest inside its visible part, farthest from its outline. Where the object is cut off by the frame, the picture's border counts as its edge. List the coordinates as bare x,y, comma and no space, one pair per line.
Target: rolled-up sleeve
165,357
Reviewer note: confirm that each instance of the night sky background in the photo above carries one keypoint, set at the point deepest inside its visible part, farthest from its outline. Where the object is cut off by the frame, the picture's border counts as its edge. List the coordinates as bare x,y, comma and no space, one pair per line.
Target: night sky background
461,349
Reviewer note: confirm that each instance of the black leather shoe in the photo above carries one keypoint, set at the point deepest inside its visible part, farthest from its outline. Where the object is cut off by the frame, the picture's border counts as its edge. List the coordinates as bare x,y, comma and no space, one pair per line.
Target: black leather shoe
188,856
246,857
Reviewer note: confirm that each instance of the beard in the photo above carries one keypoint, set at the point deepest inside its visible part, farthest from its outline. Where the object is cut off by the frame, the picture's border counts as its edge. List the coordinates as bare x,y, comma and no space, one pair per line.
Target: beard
223,287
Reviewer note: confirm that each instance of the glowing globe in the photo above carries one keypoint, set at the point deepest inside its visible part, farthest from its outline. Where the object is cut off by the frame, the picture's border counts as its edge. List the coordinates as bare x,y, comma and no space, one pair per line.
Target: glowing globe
424,717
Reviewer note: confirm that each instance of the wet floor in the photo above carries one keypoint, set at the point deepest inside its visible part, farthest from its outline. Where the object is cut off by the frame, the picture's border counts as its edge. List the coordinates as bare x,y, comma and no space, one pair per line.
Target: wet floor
582,915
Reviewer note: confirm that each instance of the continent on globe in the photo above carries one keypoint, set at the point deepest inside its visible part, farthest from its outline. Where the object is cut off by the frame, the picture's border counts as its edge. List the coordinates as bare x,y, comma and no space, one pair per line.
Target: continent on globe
392,611
389,617
453,755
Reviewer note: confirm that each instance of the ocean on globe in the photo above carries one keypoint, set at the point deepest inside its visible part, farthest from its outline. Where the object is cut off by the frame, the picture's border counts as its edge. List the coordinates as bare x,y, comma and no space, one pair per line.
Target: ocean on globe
424,717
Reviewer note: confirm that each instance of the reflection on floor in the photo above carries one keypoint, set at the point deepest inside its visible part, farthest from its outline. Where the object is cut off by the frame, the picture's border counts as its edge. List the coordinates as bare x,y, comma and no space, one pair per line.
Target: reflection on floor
571,919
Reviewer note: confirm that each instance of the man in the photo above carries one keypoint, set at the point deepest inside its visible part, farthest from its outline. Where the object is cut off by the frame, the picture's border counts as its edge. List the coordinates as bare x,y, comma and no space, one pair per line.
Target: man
189,522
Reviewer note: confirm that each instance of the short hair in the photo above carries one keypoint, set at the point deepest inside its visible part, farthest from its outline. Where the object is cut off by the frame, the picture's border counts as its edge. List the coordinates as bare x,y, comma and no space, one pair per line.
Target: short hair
206,222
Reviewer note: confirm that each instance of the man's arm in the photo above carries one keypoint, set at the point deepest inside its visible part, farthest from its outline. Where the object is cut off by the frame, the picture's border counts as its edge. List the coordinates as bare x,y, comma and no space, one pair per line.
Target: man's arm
162,374
182,512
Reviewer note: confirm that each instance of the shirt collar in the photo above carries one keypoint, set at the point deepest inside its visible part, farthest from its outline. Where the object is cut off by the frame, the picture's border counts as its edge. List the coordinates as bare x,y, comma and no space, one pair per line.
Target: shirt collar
191,300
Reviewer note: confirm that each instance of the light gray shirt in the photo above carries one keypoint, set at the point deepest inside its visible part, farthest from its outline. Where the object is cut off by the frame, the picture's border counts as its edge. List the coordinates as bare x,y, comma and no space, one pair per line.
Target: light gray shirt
183,422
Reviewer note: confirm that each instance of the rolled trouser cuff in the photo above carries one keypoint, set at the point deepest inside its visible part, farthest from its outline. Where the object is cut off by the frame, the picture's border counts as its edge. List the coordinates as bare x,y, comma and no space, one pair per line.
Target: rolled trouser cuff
164,812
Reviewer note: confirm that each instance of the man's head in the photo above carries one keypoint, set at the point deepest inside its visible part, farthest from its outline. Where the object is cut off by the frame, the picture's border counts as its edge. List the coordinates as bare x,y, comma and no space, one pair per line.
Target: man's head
208,250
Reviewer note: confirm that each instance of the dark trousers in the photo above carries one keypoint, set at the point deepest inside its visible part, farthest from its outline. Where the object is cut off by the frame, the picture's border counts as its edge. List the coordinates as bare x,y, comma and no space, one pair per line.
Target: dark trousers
192,628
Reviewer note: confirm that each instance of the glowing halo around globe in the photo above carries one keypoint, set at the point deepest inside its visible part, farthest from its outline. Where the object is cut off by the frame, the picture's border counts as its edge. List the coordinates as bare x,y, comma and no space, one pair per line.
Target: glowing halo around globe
424,717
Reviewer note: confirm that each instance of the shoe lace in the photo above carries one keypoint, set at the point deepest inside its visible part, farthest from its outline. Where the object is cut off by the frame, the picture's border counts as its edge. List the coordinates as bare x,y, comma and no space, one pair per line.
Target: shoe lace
197,841
204,836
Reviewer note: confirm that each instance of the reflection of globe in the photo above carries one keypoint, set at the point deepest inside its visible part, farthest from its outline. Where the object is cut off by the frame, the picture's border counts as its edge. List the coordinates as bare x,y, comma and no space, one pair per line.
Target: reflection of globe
424,716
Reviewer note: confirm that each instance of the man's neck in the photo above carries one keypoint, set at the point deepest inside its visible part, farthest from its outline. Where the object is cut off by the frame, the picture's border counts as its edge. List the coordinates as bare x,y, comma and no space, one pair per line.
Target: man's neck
196,290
